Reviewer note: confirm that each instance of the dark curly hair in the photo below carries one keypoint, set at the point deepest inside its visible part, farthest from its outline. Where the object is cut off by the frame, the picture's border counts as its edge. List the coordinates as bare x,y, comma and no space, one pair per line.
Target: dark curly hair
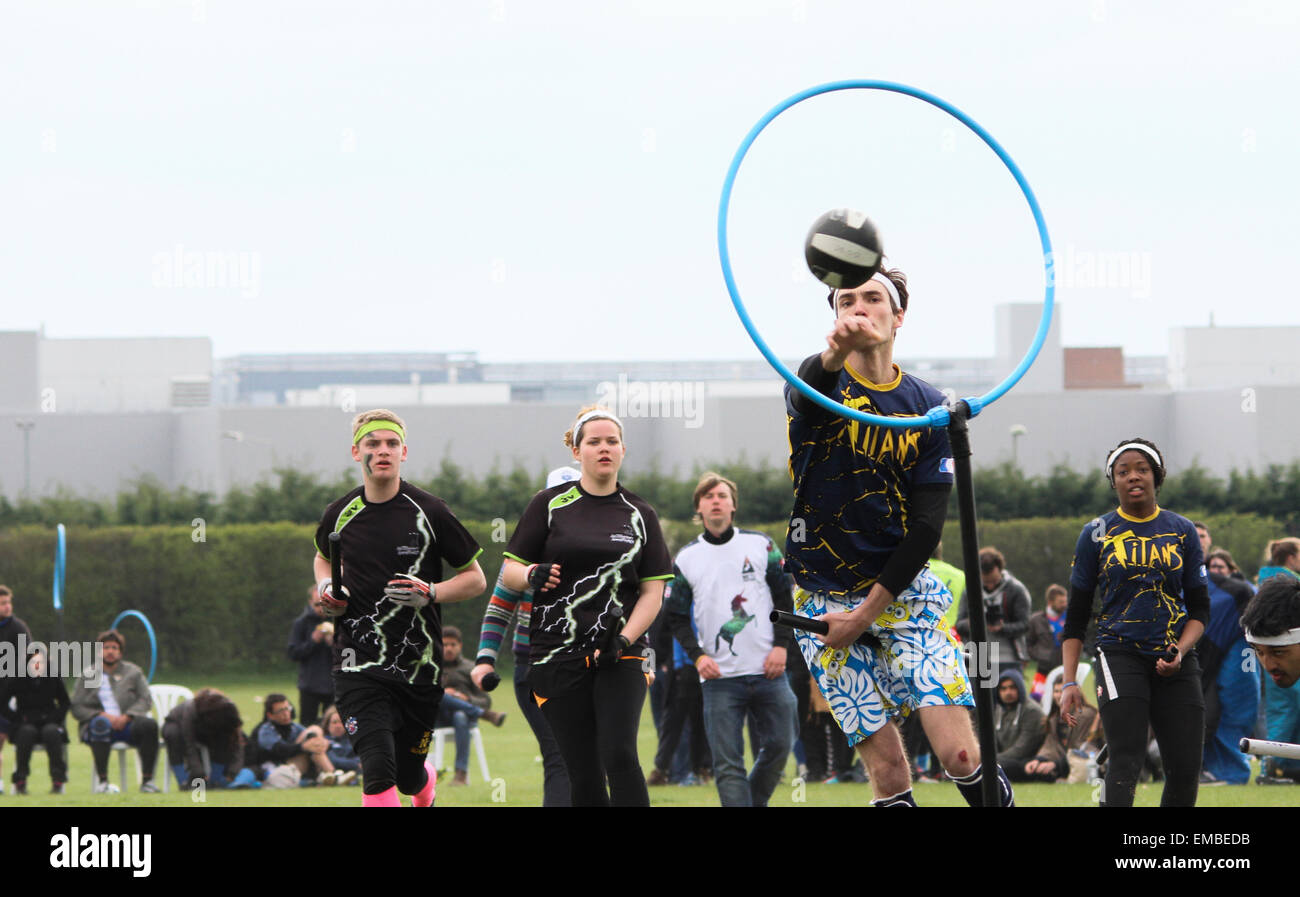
1158,462
216,719
1275,608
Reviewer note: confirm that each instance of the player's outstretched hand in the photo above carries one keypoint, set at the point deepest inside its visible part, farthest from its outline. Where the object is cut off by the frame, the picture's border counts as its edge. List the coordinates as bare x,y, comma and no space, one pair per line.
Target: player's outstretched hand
410,591
850,332
327,605
542,577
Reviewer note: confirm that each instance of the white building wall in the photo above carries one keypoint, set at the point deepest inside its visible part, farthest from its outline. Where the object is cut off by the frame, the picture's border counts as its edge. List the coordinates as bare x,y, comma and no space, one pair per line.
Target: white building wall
120,375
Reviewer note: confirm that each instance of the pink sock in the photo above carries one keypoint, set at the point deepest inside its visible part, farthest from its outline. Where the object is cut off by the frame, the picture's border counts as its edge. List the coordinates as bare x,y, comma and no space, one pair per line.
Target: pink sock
387,798
430,790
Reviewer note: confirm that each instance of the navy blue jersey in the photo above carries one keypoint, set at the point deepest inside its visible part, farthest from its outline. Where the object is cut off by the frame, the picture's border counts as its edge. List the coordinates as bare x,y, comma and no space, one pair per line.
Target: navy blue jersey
1143,568
853,481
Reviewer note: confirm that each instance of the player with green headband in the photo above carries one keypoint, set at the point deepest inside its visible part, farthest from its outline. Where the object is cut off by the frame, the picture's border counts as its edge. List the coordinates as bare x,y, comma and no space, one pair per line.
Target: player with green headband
394,538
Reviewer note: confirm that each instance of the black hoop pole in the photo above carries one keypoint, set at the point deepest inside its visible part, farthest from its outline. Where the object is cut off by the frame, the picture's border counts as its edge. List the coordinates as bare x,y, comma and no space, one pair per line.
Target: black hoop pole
984,679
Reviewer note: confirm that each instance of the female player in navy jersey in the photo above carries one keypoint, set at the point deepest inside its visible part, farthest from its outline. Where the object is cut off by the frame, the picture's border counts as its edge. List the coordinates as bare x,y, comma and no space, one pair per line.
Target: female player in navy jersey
595,557
1154,605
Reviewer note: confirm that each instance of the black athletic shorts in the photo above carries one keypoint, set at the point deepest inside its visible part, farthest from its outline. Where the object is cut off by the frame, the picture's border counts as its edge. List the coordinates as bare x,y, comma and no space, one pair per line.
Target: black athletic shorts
369,705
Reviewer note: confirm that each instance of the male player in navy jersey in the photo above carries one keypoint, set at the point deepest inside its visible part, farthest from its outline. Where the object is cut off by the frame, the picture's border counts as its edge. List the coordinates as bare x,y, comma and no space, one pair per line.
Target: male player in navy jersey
388,632
868,511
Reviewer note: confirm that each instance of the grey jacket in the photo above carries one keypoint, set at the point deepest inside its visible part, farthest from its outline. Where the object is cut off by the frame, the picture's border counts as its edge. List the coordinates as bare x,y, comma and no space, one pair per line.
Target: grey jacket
130,690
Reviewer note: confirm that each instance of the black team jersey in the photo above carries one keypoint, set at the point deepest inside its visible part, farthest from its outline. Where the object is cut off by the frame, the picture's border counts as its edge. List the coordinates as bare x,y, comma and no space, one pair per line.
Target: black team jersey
413,533
606,546
1144,568
853,481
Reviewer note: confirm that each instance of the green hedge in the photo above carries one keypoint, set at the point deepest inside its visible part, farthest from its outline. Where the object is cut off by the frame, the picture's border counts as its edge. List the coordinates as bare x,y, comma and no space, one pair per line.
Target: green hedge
224,598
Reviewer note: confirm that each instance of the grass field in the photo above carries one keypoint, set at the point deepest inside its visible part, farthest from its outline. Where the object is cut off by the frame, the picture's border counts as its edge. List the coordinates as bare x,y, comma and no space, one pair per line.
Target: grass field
517,775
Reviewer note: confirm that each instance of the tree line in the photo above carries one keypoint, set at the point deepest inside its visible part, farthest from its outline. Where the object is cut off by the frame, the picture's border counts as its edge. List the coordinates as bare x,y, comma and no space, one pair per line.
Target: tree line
1001,493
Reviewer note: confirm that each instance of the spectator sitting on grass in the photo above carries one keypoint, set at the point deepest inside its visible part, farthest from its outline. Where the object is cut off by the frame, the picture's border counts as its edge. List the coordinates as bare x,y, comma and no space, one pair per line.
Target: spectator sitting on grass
290,752
341,752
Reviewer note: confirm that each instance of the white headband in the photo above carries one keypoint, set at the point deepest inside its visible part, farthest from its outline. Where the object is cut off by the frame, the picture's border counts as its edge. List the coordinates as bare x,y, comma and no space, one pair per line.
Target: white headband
887,284
596,414
1130,446
1290,637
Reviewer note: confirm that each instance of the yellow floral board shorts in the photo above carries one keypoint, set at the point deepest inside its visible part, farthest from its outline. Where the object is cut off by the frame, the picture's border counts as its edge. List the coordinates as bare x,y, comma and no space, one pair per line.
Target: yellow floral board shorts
907,658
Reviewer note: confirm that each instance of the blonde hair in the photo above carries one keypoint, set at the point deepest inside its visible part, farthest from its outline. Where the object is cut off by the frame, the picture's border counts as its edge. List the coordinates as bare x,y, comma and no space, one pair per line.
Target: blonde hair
570,437
708,482
366,417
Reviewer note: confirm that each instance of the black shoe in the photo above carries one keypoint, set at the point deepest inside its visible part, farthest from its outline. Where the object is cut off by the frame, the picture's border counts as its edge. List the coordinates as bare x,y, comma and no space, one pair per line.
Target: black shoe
57,789
1274,780
20,787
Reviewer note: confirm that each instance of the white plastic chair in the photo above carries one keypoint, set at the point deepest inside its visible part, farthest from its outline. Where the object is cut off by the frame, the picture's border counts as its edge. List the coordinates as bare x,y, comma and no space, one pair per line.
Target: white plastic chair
1081,674
120,748
165,699
444,734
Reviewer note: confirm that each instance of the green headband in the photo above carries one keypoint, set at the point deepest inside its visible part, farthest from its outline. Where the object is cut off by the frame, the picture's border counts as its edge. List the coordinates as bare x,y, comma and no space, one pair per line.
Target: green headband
374,425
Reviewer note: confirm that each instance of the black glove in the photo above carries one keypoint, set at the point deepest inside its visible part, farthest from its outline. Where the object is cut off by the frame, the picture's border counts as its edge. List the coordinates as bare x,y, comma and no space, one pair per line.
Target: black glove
538,574
612,652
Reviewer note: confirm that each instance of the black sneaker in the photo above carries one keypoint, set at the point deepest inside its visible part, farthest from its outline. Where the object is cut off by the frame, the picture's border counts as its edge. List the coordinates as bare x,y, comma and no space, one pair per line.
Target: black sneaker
1274,780
20,787
57,789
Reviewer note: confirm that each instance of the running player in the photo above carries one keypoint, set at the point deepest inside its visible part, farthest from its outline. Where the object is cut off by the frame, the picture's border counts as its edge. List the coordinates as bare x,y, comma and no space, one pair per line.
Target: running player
868,511
596,559
388,636
1155,602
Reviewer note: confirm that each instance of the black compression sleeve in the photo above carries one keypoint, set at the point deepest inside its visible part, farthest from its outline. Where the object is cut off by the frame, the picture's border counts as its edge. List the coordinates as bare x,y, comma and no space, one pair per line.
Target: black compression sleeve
1197,599
1077,614
925,514
680,626
816,376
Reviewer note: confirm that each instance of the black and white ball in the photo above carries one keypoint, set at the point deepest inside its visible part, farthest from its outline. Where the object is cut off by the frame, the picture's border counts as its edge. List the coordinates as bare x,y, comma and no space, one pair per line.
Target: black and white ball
843,249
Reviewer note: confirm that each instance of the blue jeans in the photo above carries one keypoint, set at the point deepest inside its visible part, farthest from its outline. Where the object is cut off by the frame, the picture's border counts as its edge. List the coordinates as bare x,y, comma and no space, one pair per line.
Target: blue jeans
771,705
461,715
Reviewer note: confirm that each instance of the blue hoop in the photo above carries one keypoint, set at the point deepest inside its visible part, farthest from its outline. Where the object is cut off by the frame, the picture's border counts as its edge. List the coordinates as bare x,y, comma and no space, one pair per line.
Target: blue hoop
60,566
935,417
148,627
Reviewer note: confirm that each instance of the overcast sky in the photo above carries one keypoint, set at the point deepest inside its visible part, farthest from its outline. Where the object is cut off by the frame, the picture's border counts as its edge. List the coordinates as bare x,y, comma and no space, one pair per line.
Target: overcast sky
540,180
